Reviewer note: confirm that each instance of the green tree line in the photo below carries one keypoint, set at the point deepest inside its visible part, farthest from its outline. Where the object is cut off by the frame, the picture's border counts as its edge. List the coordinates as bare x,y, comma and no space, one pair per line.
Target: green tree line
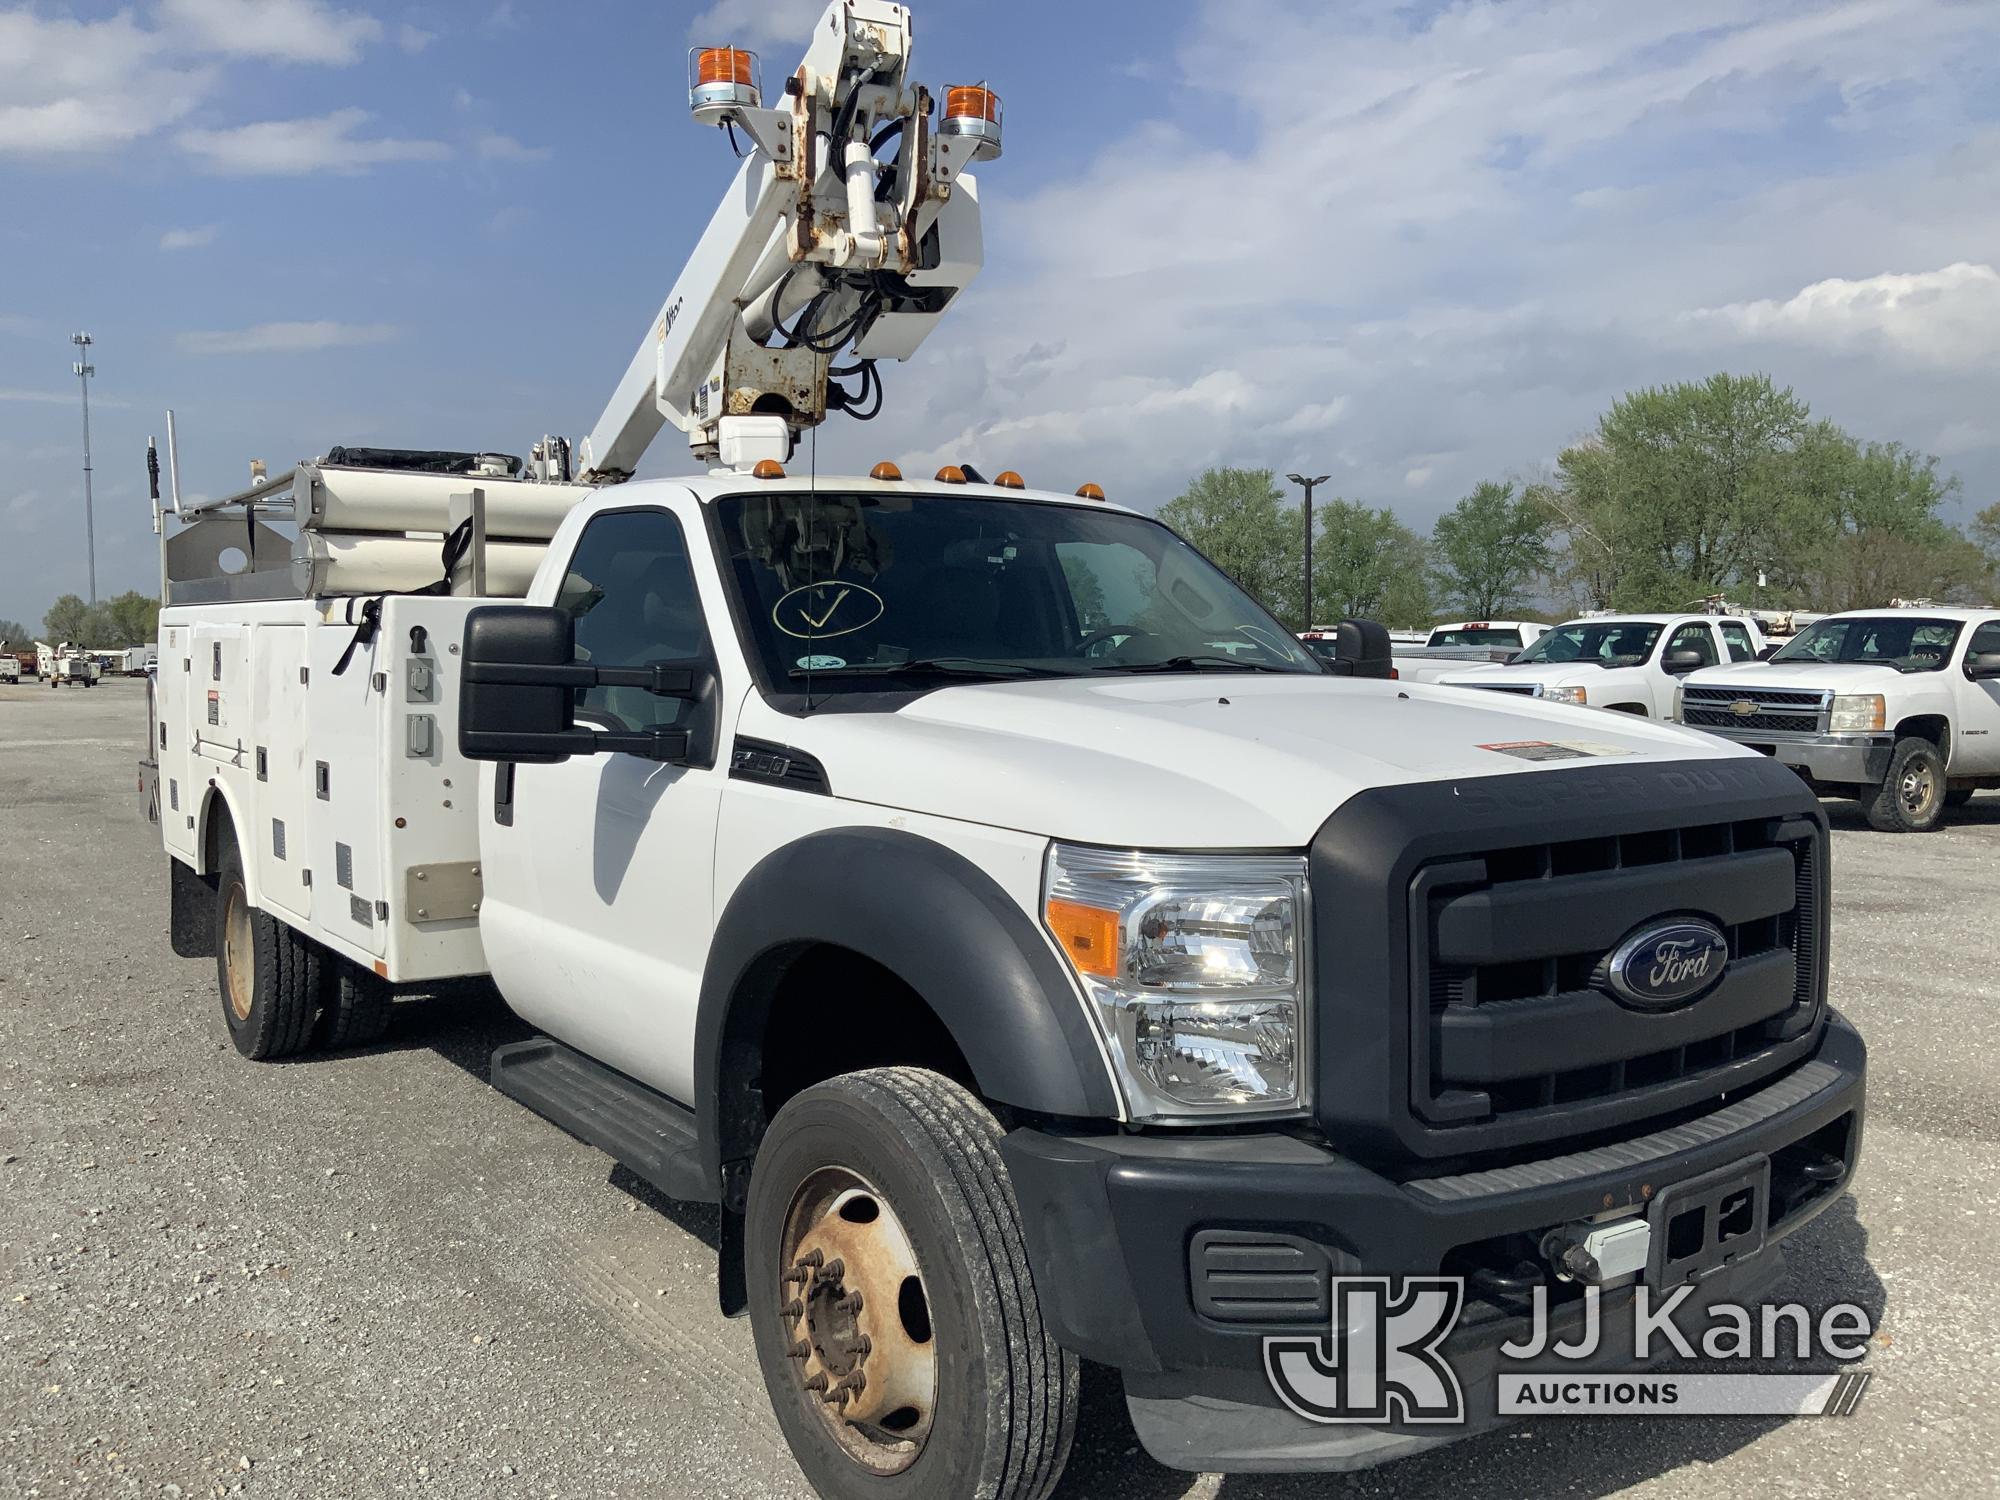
1724,486
130,619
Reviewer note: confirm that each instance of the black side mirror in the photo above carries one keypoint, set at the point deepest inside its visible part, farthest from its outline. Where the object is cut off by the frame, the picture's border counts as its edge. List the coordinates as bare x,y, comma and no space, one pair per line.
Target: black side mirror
516,691
1765,653
1983,667
1679,662
1360,649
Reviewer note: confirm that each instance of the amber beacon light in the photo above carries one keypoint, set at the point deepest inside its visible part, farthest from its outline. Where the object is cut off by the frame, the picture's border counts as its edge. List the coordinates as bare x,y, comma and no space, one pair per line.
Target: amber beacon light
972,112
722,80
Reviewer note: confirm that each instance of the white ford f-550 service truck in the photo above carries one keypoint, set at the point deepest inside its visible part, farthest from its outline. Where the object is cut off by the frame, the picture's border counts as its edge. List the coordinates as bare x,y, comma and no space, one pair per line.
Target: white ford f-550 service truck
1036,953
1899,708
1626,663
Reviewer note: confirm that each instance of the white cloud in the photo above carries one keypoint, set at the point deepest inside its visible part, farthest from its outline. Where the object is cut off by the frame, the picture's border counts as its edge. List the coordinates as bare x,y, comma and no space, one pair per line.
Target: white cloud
1948,317
282,30
1470,225
757,23
413,39
188,239
77,86
288,338
58,398
325,143
491,145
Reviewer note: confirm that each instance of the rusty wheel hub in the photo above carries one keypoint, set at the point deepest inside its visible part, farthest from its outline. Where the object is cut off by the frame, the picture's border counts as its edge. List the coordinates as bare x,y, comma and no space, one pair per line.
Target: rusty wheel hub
236,959
854,1305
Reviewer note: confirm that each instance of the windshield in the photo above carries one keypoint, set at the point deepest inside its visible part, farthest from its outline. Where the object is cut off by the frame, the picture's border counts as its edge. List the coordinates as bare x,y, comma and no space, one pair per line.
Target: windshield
1475,635
846,593
1909,643
1603,643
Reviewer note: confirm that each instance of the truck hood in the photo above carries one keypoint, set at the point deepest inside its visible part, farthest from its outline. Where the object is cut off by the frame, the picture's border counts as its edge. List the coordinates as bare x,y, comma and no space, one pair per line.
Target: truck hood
1548,674
1219,761
1804,677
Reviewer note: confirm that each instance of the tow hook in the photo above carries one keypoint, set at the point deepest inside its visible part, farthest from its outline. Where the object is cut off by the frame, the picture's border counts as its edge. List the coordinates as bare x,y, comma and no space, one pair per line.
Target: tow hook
1600,1253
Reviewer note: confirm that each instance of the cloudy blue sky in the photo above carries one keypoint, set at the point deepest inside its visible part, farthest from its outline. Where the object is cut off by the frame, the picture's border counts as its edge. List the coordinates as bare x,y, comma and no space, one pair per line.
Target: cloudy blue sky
1410,244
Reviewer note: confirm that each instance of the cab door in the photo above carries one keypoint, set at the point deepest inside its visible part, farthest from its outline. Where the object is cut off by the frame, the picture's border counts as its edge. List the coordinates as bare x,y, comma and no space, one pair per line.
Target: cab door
1977,748
1698,636
599,894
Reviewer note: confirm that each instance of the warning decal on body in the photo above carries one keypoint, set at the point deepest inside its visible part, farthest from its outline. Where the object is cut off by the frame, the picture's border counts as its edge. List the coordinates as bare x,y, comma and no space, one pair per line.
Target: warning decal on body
1553,749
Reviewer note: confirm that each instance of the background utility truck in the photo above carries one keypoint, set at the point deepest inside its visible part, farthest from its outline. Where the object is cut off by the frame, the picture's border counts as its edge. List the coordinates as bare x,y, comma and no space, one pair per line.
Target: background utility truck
1898,708
1627,663
1034,952
1463,645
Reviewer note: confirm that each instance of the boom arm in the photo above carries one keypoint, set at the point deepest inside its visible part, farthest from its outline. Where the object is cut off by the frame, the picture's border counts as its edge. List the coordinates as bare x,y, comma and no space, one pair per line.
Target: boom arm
817,250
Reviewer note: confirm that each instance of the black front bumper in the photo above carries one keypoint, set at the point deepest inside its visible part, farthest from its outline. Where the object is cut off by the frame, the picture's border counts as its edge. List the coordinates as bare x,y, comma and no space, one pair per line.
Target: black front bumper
1119,1231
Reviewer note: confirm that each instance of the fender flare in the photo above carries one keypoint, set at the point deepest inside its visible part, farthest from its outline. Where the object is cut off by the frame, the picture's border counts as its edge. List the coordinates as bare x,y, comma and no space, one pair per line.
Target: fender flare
979,962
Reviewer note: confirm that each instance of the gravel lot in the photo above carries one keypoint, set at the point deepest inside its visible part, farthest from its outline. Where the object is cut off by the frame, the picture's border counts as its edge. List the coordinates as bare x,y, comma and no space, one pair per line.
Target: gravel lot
372,1274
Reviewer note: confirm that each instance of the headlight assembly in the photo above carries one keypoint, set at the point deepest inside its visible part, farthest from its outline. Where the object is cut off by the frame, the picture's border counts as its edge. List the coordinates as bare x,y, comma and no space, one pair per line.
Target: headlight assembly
1856,713
1195,966
1565,695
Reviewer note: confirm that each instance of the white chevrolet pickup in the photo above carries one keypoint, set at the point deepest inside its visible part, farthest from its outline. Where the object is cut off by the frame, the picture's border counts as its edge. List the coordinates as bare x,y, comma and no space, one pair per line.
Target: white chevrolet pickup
1899,708
1034,952
1628,663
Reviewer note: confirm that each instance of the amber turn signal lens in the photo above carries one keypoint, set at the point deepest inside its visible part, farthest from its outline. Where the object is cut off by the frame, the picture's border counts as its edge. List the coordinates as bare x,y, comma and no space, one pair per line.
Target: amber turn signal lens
1088,934
768,468
951,474
1009,480
1090,492
722,65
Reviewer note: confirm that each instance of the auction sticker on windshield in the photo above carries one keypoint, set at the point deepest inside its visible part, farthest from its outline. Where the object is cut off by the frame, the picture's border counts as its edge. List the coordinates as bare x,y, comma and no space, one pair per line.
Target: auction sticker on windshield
1553,749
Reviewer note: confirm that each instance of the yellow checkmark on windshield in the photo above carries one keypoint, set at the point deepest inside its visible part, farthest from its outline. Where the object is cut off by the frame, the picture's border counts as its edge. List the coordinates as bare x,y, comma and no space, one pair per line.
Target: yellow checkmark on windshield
820,624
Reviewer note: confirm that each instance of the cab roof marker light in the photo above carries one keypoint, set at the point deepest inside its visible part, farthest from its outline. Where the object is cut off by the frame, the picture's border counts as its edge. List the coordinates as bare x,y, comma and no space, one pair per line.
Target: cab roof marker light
885,471
1090,492
1009,480
768,468
951,474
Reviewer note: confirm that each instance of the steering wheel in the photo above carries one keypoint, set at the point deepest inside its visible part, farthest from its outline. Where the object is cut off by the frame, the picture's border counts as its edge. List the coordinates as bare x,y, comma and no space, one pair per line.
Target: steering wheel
1111,632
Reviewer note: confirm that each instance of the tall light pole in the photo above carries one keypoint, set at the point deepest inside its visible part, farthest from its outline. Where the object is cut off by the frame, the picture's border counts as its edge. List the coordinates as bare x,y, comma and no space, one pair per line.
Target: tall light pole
84,370
1307,485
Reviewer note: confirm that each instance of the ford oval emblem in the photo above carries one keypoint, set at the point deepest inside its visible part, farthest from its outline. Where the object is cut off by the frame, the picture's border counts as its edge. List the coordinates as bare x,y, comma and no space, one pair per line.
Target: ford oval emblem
1668,964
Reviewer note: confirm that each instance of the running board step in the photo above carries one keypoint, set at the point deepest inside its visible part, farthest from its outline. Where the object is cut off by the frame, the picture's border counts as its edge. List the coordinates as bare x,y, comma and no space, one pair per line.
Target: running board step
641,1128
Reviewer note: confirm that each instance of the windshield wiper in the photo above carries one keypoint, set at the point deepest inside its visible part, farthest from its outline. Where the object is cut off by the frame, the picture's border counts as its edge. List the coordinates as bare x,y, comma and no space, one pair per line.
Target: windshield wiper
933,666
1192,664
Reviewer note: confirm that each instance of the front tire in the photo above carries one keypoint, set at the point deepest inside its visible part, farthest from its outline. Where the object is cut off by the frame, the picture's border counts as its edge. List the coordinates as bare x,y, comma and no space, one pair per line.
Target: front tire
1911,798
896,1319
269,974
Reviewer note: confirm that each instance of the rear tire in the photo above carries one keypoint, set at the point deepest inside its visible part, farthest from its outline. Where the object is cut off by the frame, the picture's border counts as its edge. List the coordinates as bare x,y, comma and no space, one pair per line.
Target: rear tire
1911,797
960,1389
357,1006
269,975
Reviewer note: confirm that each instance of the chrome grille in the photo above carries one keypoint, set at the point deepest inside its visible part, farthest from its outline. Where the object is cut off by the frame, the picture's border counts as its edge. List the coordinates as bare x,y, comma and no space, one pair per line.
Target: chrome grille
1778,710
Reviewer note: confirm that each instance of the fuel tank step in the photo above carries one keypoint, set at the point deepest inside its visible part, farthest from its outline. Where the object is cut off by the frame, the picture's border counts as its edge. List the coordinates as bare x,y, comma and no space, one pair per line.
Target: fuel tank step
641,1128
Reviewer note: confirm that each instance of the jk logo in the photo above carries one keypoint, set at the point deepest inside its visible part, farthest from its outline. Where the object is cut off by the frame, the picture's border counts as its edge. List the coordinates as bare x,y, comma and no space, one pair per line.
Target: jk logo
1380,1361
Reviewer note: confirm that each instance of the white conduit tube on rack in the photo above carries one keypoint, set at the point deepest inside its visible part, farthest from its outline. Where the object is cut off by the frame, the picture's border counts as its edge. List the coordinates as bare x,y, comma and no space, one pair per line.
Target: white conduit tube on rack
331,562
358,500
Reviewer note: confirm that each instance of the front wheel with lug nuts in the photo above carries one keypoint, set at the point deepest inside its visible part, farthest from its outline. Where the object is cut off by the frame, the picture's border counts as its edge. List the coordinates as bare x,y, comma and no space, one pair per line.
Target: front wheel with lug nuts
895,1315
1911,797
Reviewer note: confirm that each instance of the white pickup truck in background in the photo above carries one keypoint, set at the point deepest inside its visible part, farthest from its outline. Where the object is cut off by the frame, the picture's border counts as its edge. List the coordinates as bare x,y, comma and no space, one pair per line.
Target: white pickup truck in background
1627,663
1897,708
1462,646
